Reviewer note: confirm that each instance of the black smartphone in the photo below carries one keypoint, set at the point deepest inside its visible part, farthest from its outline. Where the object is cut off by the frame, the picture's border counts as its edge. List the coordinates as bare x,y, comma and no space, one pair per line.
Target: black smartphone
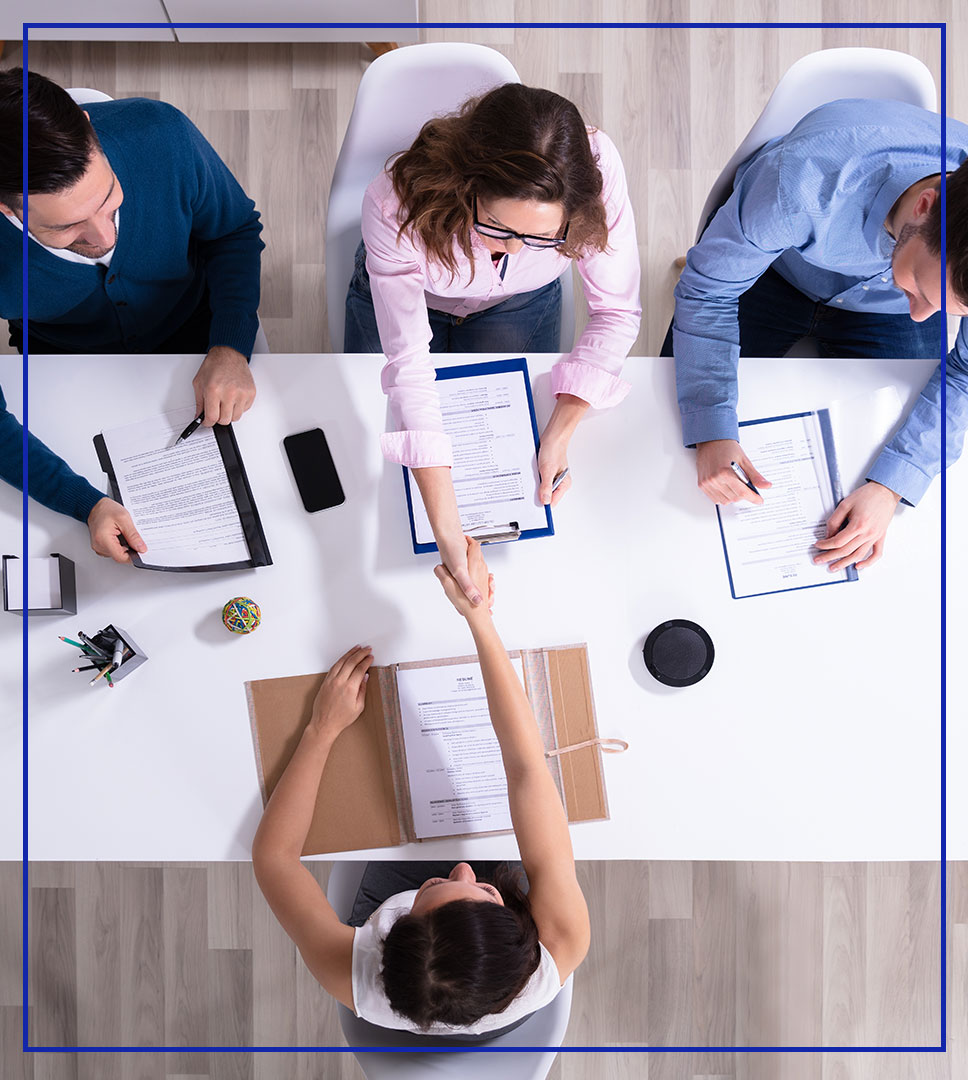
313,469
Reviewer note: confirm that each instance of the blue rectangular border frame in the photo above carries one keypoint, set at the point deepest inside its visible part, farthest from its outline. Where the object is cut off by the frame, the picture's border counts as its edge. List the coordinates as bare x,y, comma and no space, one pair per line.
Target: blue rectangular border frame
942,1047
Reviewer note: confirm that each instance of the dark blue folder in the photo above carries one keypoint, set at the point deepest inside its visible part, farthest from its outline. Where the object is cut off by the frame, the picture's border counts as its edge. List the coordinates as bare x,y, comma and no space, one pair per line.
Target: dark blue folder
488,367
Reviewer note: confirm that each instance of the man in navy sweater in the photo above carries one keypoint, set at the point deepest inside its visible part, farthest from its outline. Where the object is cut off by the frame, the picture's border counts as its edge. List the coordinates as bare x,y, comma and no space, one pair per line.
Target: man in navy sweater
142,241
55,485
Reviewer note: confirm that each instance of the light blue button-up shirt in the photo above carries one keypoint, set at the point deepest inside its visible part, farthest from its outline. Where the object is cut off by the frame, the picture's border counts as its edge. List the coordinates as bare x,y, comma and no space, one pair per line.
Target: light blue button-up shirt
813,204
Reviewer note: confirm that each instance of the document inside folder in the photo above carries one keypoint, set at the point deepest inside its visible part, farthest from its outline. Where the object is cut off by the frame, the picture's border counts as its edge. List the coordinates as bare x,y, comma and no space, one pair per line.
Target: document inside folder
770,547
179,496
495,473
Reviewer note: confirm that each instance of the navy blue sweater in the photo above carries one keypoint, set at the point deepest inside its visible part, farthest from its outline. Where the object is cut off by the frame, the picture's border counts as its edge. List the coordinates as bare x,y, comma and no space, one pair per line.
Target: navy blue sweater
50,479
185,223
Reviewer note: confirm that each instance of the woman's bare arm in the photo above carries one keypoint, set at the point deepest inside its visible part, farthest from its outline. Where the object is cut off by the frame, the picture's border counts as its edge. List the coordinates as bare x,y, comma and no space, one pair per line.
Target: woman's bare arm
297,901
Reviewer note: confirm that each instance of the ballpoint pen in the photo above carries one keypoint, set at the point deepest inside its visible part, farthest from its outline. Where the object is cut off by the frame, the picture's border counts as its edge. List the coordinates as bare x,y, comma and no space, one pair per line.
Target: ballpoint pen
89,644
557,480
118,652
192,427
742,475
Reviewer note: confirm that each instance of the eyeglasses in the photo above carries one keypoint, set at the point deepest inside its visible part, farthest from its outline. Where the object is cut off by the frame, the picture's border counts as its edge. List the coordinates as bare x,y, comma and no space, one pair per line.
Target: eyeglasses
495,233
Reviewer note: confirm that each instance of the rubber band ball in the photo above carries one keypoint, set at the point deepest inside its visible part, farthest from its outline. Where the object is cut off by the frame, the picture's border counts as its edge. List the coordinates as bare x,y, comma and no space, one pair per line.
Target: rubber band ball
241,615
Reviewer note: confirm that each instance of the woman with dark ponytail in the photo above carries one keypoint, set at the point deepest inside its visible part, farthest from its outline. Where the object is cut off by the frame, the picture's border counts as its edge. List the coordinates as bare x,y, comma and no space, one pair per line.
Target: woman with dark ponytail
465,236
443,951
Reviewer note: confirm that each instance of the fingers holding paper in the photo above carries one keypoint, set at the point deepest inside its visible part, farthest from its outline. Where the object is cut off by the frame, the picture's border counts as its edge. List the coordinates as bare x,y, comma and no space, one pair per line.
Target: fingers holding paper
224,387
113,532
716,468
340,699
857,528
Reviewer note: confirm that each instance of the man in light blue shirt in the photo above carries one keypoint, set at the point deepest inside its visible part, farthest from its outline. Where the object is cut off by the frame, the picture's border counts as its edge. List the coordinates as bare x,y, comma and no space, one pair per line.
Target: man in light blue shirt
832,232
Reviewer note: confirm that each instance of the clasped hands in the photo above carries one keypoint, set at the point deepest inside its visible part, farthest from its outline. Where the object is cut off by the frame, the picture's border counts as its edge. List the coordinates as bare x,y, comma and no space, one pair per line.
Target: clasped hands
855,530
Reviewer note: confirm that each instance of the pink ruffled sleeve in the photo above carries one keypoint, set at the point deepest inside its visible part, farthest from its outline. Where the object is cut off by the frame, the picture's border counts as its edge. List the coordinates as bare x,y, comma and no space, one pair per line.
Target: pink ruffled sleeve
611,284
397,276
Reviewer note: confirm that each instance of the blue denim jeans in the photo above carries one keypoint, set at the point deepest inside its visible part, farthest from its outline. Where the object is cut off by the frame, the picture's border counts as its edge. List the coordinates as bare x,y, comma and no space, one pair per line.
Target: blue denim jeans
525,322
774,315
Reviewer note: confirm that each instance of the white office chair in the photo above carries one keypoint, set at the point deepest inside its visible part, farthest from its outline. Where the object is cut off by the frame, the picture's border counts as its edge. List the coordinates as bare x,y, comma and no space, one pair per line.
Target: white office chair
819,78
545,1028
84,95
398,93
814,80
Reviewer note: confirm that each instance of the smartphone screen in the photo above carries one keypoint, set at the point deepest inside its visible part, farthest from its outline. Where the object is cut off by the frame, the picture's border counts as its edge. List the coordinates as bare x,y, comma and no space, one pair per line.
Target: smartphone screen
313,469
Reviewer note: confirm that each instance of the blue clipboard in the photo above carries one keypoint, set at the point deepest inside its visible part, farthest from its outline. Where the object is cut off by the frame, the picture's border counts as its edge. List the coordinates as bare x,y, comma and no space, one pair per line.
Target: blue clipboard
833,469
487,367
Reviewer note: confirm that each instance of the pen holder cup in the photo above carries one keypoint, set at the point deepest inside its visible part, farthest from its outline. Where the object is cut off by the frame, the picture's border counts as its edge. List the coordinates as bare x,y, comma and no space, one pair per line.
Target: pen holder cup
131,658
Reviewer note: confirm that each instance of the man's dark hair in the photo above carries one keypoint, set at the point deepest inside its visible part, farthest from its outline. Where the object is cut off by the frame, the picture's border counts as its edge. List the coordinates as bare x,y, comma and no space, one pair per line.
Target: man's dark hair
956,212
462,960
60,140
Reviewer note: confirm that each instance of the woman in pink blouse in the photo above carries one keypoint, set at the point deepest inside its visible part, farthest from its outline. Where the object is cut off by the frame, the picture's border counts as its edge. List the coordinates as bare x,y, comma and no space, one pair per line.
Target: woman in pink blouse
464,238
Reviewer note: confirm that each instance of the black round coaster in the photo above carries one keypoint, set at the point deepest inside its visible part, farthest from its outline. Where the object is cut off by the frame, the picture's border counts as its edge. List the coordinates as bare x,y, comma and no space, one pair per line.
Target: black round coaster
678,652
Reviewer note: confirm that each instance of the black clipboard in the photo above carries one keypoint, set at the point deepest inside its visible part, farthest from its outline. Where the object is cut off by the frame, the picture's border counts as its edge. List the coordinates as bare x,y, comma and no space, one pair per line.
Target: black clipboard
252,529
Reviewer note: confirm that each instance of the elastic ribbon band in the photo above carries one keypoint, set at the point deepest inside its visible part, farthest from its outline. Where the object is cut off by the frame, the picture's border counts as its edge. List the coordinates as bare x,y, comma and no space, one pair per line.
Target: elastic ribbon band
609,746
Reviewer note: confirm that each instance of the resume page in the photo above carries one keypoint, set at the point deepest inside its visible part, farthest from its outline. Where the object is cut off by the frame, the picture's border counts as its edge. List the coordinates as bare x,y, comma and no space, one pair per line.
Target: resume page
177,495
495,471
770,548
454,766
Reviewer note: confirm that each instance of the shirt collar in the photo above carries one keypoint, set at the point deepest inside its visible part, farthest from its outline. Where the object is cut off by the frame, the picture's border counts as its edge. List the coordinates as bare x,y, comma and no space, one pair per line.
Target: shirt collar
891,190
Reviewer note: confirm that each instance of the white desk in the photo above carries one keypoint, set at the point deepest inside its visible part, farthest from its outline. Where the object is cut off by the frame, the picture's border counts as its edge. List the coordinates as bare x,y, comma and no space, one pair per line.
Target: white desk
815,736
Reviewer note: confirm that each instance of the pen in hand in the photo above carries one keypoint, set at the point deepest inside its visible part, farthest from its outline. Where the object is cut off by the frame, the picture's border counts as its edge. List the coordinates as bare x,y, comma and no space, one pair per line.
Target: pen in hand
742,475
556,483
192,427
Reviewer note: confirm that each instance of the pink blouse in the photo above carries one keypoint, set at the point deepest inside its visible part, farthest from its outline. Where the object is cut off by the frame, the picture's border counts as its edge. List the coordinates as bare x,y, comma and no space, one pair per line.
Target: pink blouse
405,283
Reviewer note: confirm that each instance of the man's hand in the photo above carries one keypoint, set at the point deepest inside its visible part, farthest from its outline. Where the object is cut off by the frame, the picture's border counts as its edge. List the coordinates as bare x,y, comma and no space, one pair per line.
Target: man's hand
111,527
224,387
718,479
340,698
856,529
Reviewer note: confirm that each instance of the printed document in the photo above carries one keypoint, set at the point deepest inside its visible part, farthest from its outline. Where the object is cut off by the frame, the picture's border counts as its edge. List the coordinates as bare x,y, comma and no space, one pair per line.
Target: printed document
770,548
495,469
178,495
457,780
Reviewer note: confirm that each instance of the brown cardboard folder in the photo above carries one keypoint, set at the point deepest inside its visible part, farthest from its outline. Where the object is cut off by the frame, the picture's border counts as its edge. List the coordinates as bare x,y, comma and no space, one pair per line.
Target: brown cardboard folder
364,799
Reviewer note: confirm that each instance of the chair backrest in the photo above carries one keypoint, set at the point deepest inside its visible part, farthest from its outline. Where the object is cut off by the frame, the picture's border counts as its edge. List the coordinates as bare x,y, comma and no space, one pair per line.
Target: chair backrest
816,79
398,93
545,1028
84,95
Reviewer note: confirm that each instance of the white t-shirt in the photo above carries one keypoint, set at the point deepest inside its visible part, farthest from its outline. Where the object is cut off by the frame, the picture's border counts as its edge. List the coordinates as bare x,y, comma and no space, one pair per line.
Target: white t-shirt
371,1003
72,256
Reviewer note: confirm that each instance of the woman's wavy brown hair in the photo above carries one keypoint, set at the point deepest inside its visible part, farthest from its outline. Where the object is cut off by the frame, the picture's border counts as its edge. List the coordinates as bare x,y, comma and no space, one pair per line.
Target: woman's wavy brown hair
516,142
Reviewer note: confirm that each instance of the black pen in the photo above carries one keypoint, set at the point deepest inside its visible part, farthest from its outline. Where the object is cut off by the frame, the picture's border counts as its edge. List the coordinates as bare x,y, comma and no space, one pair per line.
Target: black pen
191,429
92,645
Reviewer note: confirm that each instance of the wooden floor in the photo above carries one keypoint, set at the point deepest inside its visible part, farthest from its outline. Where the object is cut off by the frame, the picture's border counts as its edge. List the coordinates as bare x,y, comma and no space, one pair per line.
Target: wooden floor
676,101
683,954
